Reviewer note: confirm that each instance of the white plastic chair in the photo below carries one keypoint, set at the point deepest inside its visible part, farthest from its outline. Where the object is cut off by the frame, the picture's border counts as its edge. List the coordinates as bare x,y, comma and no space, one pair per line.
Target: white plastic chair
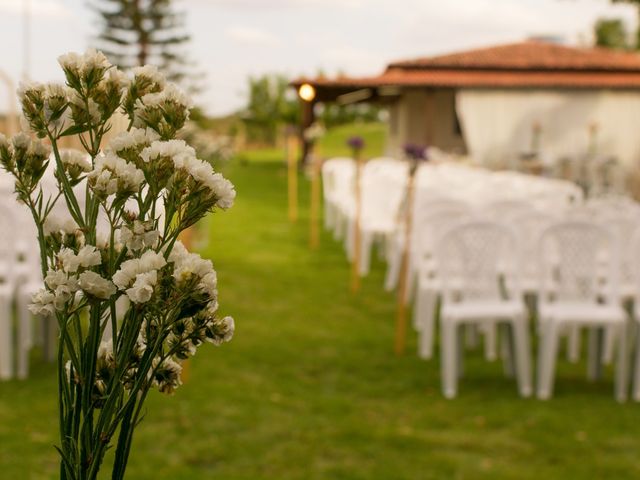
383,188
337,186
472,259
7,287
578,299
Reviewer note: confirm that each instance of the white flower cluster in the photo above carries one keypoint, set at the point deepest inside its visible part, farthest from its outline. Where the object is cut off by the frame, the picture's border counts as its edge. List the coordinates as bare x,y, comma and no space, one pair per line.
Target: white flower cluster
75,162
112,174
85,63
91,107
59,224
150,74
192,267
75,158
169,94
138,276
139,236
88,256
166,375
133,139
185,160
64,282
170,149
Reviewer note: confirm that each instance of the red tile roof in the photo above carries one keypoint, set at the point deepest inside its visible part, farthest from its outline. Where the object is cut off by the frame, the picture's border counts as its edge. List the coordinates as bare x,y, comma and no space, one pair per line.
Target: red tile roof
531,64
530,55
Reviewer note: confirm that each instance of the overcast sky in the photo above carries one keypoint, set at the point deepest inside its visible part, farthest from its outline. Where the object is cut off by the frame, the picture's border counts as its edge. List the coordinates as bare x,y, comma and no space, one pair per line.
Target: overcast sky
236,38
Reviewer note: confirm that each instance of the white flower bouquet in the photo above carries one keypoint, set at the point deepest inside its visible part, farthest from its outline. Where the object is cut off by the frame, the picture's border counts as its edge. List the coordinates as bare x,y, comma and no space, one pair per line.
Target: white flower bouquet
130,301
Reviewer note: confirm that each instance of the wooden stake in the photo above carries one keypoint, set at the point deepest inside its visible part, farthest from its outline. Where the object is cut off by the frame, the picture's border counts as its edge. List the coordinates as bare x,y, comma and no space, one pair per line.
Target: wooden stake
292,178
355,265
314,211
403,287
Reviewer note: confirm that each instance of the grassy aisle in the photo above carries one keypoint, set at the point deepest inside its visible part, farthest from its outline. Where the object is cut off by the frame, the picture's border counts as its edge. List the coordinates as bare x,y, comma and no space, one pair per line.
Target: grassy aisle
310,389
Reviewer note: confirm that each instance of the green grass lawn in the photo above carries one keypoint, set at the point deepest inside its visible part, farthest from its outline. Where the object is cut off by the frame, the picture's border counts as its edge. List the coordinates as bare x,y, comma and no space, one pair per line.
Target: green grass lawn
310,387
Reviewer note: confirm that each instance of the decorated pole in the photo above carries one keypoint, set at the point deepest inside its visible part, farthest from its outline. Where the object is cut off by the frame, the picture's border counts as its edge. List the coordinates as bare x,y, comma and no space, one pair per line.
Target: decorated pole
314,212
292,178
312,135
415,154
356,144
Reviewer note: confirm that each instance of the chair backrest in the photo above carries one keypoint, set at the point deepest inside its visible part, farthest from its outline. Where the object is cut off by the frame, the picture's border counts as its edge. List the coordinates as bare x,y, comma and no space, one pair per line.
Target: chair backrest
431,224
507,209
337,177
477,260
623,228
383,188
529,227
571,257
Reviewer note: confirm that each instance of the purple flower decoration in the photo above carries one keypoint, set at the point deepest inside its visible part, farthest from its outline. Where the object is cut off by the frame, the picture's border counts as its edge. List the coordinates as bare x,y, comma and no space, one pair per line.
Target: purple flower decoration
356,143
415,152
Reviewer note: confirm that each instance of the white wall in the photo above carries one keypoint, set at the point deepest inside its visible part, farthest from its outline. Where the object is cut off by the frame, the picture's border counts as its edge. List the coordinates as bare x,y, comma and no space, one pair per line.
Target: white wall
497,124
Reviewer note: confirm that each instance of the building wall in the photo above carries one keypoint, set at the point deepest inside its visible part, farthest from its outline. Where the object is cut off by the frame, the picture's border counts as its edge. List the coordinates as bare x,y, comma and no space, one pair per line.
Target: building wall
499,123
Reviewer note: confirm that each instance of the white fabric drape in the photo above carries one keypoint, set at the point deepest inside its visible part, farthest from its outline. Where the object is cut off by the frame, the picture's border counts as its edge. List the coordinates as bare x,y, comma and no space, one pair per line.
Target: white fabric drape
498,124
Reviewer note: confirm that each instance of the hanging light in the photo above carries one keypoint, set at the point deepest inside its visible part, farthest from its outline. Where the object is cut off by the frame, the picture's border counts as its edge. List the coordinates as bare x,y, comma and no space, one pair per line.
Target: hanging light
307,92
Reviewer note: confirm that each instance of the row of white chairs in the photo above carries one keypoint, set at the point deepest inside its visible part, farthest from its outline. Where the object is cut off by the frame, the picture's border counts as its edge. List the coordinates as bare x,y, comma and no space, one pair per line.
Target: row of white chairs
478,278
449,194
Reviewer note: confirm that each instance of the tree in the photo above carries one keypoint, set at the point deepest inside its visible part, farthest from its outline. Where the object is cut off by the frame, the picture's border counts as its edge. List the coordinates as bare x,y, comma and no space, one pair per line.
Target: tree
611,33
635,3
271,104
139,32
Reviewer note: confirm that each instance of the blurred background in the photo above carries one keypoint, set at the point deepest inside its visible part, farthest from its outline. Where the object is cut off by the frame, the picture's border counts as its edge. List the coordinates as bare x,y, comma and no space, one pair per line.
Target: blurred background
321,112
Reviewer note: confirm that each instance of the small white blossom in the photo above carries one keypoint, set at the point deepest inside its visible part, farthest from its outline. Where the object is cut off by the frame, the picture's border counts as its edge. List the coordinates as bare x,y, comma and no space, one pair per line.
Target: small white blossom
169,149
42,303
166,375
151,73
142,289
133,139
87,256
90,60
59,224
95,285
130,269
142,235
222,331
21,141
63,287
74,158
113,174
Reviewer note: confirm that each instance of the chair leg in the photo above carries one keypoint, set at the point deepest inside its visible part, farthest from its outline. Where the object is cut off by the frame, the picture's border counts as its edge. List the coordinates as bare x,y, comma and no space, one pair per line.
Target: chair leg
448,358
490,342
424,319
622,367
522,358
548,354
506,341
349,238
610,338
393,270
594,368
573,347
366,245
460,351
24,342
636,369
6,340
